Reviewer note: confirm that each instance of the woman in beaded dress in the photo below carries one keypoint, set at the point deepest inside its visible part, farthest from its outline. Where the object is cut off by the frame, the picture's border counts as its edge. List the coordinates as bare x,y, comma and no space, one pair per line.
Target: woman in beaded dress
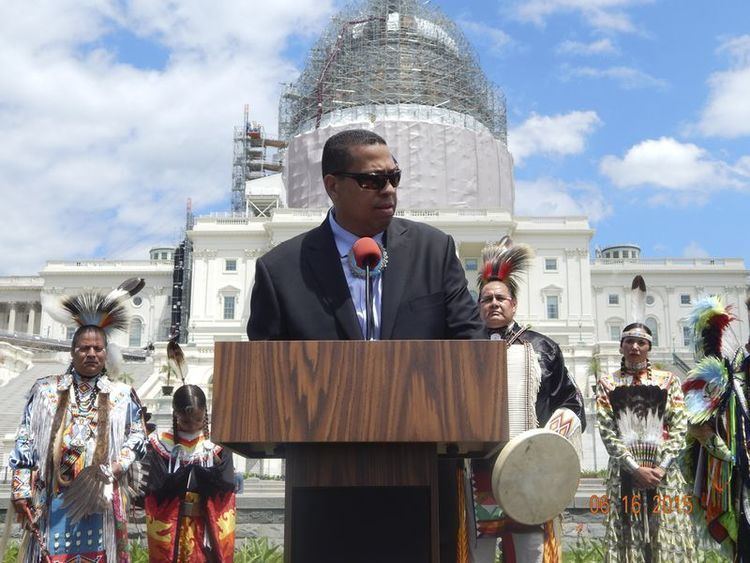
190,498
647,505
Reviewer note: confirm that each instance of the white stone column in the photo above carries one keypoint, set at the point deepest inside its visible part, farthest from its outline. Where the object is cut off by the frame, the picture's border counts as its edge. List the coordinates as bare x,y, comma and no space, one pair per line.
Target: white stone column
673,333
12,317
38,327
32,319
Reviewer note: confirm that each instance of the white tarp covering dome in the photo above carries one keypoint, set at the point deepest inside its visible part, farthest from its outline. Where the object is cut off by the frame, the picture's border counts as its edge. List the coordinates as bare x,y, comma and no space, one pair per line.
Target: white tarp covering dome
404,70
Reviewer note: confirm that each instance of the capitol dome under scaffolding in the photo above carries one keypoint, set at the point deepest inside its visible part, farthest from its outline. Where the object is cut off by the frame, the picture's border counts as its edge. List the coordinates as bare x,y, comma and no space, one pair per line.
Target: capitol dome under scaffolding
404,70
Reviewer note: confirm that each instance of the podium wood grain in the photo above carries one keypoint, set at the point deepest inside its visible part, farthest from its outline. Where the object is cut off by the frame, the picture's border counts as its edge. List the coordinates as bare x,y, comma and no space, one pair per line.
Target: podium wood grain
357,391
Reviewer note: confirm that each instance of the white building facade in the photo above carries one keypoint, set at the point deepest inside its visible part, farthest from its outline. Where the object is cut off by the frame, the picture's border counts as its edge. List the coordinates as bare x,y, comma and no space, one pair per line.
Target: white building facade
458,177
21,297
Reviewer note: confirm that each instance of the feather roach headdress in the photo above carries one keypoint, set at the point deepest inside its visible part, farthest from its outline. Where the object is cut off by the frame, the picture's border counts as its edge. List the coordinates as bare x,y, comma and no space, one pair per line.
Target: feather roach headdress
504,261
108,312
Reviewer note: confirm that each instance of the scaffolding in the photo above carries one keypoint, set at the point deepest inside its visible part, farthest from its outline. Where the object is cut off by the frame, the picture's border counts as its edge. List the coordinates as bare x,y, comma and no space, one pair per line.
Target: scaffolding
252,160
182,280
391,52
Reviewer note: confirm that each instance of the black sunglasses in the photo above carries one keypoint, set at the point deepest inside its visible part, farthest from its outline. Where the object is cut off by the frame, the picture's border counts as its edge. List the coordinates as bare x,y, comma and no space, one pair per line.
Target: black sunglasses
373,180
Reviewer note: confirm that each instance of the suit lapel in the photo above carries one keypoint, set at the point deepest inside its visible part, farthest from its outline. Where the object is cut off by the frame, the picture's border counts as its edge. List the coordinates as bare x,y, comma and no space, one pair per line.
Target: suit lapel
321,254
395,275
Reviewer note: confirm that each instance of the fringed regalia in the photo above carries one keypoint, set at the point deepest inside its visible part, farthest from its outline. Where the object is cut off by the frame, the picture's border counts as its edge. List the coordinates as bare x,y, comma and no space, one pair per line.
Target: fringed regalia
44,478
642,422
716,460
190,500
541,392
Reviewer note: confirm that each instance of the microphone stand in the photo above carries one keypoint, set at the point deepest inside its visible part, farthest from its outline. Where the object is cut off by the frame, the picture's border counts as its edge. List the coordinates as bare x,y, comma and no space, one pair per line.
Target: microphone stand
369,321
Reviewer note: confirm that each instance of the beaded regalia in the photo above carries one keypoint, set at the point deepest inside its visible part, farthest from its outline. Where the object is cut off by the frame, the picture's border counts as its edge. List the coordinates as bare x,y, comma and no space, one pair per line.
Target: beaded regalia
73,431
642,423
716,459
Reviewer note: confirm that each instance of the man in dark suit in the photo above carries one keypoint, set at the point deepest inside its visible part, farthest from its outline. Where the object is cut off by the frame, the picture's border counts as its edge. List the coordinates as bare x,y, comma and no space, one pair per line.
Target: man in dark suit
306,289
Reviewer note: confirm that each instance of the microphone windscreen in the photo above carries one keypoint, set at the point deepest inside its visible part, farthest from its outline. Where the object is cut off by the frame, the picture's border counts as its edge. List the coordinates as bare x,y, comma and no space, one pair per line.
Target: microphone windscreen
495,336
366,252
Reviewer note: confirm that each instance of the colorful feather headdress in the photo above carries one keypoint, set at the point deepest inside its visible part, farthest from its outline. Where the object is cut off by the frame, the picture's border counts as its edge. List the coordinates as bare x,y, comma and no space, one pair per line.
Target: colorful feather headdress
108,312
709,320
504,261
708,384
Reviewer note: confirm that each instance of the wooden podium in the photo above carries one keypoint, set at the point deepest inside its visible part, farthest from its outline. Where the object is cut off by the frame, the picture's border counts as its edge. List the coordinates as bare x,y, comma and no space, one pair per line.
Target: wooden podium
361,425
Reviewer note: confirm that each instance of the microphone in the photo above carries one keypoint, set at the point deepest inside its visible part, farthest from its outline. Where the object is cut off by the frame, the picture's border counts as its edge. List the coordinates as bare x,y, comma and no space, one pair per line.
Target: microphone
367,255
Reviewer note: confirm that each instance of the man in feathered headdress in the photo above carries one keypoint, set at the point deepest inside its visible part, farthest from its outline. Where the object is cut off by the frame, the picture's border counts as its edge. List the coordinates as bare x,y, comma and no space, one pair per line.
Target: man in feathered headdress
545,393
504,264
79,434
717,459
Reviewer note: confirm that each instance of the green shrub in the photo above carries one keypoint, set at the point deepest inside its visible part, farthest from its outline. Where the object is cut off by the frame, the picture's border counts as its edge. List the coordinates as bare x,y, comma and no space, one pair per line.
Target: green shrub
11,553
258,550
600,473
138,552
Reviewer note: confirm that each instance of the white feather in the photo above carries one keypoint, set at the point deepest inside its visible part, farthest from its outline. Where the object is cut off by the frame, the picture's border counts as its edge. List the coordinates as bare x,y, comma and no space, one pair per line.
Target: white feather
115,360
638,301
51,305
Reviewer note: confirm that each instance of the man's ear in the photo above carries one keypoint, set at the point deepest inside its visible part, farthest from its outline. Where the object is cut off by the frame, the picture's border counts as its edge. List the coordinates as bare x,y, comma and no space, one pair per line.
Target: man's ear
329,181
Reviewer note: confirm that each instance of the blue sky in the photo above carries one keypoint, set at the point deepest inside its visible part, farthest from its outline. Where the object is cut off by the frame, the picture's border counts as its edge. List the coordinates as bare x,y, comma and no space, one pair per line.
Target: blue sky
649,71
633,112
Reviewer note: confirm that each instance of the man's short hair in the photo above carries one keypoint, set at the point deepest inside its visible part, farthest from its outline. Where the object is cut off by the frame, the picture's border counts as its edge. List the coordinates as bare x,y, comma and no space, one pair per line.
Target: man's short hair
336,155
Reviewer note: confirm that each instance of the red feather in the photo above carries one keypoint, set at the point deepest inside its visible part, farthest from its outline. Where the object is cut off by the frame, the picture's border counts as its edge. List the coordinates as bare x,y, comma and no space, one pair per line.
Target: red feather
505,270
487,271
714,332
691,384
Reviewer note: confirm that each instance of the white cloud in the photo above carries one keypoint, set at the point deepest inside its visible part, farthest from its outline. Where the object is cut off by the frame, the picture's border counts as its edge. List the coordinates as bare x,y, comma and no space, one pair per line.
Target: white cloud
497,39
605,15
600,47
556,135
670,164
742,166
727,112
627,77
694,250
551,197
99,157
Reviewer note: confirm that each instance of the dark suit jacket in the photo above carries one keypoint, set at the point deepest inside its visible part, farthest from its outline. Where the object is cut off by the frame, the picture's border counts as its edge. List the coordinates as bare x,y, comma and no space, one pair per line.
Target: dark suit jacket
300,290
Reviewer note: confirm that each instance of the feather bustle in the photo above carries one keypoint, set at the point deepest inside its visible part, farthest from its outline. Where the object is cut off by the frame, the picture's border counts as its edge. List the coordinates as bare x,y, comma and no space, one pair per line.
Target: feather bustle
639,412
704,388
